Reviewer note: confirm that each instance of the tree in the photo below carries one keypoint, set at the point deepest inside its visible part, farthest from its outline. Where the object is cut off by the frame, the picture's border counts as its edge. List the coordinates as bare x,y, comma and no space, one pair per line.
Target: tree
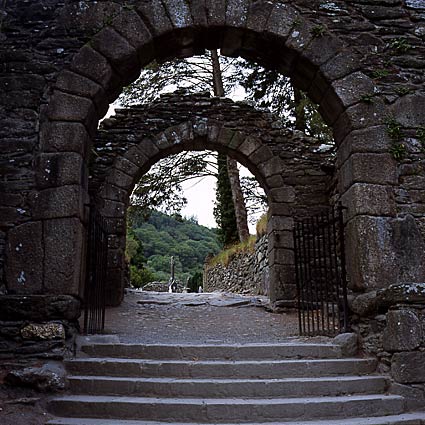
264,87
161,188
155,188
269,89
224,211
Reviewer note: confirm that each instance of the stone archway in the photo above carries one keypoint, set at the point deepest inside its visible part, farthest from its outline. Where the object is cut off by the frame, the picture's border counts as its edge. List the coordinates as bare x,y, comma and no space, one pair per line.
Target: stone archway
287,164
200,134
320,60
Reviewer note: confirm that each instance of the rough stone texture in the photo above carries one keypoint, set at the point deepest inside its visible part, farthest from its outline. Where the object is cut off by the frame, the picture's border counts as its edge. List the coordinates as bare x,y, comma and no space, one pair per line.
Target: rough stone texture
391,325
247,272
405,293
407,368
39,40
51,377
364,304
25,253
349,344
63,255
48,331
38,307
38,326
382,250
403,331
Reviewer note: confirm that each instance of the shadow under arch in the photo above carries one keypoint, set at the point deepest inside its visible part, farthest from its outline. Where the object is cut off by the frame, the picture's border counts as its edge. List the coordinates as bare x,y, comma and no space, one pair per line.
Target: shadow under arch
271,33
200,134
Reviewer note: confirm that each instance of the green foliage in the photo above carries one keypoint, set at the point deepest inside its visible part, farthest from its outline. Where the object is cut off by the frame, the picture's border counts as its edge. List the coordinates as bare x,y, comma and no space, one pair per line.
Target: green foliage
378,74
420,134
400,45
140,277
194,282
268,88
402,91
367,98
398,151
139,274
318,31
224,211
165,236
261,227
394,129
225,256
161,188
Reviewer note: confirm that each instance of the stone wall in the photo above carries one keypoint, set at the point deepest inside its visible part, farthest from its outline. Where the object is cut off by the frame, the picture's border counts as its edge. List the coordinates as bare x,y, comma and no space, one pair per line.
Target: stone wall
391,326
246,273
38,326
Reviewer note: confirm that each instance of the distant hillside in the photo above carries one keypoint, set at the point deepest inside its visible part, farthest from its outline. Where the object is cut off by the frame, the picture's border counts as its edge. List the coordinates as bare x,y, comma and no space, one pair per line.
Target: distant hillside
163,236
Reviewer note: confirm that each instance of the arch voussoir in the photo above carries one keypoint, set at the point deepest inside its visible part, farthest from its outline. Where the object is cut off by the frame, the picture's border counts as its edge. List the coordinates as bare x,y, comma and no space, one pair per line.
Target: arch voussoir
350,89
120,179
249,146
136,156
61,136
258,14
216,12
155,16
69,107
281,20
237,13
119,53
179,13
76,84
91,64
131,26
358,116
126,165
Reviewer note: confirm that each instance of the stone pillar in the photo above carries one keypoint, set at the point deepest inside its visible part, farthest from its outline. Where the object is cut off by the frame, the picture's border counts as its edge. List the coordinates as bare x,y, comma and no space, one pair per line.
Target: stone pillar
281,259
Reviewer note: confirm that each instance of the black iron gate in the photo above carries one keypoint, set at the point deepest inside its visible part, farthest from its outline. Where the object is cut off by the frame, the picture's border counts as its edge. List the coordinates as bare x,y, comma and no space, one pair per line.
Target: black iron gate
97,258
320,274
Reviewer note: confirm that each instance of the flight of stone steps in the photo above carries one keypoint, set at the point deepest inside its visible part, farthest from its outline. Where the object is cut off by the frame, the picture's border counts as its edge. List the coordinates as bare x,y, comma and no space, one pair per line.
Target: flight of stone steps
292,383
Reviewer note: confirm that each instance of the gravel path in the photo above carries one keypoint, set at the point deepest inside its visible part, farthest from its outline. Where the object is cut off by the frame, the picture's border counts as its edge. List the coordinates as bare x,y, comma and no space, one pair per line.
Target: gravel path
154,317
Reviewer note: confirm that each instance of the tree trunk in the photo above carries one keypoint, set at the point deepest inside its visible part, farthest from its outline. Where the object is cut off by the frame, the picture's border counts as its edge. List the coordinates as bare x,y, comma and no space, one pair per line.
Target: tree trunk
300,118
238,199
232,168
217,77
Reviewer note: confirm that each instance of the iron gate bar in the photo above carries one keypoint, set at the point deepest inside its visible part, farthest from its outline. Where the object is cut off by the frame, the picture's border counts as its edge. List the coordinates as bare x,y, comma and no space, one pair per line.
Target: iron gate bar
95,294
320,273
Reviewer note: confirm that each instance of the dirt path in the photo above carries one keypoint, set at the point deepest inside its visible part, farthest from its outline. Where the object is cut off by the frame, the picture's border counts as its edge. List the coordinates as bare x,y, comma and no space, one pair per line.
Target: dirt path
154,317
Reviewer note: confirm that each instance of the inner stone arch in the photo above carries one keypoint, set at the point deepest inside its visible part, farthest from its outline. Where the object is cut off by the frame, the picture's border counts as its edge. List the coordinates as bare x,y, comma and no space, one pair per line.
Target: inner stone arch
128,145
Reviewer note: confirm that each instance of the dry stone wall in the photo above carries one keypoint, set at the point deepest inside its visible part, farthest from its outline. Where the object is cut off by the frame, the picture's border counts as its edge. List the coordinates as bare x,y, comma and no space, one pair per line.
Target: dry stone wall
246,273
38,326
391,326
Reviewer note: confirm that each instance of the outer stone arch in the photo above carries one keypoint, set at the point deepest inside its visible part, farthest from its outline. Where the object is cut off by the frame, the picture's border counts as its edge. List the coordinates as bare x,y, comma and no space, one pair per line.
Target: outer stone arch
272,33
200,134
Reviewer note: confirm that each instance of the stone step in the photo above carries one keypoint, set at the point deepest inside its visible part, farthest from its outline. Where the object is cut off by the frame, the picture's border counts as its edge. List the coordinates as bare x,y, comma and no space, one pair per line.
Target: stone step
232,410
272,369
215,352
416,418
216,388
